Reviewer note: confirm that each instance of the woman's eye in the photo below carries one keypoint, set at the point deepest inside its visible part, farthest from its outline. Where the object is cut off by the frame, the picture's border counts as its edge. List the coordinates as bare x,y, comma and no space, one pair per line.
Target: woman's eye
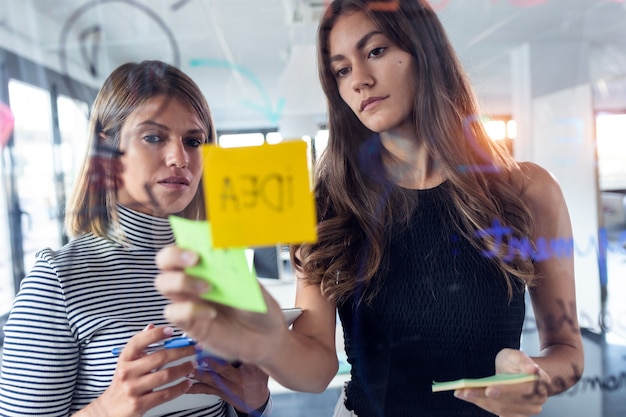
152,138
377,51
341,72
194,142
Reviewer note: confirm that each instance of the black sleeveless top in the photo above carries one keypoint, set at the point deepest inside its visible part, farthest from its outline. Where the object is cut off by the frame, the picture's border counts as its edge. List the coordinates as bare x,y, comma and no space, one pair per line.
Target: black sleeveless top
441,313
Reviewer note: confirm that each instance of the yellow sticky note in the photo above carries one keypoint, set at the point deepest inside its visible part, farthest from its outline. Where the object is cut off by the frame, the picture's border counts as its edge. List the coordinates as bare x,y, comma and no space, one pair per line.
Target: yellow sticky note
259,195
232,281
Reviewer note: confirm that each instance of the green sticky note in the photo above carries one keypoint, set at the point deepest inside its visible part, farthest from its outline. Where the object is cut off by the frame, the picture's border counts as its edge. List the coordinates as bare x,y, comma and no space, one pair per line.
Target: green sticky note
499,379
232,281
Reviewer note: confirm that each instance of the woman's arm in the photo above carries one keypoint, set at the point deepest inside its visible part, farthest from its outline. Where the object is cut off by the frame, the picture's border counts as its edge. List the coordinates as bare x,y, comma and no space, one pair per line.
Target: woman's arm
312,349
41,359
38,338
303,359
560,361
554,296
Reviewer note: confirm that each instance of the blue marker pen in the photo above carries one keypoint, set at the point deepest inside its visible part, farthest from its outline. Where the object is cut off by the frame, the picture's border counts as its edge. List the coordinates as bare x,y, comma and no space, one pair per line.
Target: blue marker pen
168,344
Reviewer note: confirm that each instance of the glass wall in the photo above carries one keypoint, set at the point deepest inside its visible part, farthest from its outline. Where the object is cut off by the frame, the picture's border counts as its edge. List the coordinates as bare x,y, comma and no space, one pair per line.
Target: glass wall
7,291
33,151
550,76
40,158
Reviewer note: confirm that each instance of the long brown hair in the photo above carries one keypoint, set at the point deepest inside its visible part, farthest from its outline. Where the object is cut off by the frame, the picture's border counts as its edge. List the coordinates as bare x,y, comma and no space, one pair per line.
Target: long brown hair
92,206
356,209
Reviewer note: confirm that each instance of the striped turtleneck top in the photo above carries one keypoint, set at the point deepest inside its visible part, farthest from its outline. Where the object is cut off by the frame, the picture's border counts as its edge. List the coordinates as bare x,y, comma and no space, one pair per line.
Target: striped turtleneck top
74,306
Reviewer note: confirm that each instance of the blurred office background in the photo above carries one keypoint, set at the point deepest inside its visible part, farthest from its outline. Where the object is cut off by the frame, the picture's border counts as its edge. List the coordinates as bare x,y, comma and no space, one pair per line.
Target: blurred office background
550,76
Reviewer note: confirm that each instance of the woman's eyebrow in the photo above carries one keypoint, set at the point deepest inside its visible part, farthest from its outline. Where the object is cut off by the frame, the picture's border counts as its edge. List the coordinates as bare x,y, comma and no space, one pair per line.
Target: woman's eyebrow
359,45
152,123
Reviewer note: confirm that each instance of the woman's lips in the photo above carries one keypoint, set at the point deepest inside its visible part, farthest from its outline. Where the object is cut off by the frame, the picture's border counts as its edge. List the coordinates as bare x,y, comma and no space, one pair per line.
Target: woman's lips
370,102
175,182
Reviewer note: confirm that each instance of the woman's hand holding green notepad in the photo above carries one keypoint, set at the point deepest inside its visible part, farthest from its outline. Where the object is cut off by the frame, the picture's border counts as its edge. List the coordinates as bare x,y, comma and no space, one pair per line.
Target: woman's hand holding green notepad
499,379
233,283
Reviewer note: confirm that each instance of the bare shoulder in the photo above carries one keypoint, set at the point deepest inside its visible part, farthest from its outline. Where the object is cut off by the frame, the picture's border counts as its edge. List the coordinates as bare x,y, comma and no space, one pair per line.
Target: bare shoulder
545,199
537,184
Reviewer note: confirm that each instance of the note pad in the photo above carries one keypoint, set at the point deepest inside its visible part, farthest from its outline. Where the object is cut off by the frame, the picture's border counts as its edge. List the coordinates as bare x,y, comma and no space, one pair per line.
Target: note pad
232,281
499,379
259,195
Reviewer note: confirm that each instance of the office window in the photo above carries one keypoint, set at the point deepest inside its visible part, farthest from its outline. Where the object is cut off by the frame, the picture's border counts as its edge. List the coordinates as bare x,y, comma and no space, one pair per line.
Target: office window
273,138
241,139
611,149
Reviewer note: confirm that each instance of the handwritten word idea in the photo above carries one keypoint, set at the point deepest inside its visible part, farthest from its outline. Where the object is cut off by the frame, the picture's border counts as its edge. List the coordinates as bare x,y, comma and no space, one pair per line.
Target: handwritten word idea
274,191
259,195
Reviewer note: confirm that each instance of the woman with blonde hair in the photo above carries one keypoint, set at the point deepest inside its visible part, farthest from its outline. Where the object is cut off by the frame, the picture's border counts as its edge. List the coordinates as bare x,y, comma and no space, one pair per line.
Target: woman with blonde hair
96,294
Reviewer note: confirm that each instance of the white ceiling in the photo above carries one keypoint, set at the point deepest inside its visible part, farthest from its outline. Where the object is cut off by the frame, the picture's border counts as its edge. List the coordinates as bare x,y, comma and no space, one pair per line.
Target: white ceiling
237,50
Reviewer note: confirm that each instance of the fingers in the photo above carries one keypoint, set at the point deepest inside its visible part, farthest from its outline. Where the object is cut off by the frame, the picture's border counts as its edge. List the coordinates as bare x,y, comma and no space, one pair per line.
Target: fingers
209,362
144,380
215,376
173,258
214,384
516,399
224,383
195,318
172,282
177,286
161,396
244,388
505,400
138,343
511,400
159,379
512,361
134,362
218,327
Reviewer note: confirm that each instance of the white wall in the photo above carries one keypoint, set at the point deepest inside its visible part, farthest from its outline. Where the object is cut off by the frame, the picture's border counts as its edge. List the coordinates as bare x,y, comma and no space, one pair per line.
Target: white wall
563,142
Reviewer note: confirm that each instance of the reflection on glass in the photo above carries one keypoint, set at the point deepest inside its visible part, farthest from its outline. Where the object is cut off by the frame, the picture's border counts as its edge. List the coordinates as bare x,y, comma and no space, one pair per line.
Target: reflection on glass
33,166
6,274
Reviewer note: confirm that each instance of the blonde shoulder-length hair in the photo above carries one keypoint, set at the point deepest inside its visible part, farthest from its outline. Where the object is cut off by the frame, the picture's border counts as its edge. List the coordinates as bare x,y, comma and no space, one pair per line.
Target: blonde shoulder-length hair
92,205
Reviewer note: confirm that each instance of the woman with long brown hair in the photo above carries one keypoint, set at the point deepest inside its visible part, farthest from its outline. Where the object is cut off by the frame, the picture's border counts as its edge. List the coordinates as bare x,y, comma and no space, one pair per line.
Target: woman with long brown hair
425,240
